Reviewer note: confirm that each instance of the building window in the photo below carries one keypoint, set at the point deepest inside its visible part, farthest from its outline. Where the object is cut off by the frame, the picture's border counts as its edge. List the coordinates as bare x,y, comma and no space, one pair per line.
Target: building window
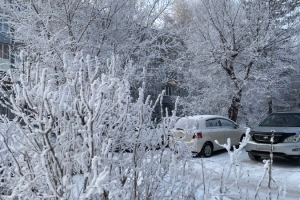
4,28
4,57
172,91
169,91
4,51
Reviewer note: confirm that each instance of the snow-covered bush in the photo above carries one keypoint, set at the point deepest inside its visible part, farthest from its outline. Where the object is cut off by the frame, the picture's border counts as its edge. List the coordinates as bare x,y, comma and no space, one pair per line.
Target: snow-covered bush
71,137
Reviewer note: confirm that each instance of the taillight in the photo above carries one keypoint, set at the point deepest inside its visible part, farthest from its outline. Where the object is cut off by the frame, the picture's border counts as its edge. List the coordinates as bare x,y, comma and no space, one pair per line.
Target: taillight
197,135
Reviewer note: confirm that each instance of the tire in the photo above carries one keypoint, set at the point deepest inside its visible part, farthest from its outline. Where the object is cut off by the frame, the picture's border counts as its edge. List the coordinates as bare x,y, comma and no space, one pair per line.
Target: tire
294,159
254,157
207,150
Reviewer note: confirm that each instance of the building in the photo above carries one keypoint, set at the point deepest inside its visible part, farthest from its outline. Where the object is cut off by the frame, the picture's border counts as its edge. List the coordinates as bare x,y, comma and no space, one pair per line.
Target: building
5,64
5,46
167,80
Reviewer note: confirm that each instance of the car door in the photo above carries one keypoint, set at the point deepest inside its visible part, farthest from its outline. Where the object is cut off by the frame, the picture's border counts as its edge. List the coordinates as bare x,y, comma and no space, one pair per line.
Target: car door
215,131
231,131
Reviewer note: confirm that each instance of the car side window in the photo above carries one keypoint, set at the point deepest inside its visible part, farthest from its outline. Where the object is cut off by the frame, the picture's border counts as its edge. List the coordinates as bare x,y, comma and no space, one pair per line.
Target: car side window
227,123
209,123
213,123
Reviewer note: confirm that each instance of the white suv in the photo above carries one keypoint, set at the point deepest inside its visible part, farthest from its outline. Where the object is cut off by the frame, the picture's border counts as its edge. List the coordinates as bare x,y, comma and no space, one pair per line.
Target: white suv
286,142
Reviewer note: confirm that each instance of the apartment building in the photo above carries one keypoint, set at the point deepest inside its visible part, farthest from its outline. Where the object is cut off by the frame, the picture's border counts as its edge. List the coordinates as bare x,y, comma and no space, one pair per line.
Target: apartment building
5,45
5,64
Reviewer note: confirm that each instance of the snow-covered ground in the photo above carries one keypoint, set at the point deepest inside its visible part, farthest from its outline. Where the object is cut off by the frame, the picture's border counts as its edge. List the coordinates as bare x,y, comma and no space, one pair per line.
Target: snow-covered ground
285,173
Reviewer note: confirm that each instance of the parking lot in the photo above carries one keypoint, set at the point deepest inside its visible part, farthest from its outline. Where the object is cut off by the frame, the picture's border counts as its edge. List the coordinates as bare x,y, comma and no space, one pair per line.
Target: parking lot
285,173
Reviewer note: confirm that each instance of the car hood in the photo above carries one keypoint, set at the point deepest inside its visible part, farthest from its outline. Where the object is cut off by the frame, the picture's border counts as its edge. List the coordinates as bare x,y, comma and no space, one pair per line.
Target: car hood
268,129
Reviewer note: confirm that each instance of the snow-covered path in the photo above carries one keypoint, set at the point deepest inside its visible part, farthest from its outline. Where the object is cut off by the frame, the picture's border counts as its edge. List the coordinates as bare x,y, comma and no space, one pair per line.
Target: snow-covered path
285,173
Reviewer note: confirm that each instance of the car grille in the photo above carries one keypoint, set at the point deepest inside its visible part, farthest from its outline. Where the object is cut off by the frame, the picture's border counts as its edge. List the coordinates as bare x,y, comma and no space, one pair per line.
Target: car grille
266,137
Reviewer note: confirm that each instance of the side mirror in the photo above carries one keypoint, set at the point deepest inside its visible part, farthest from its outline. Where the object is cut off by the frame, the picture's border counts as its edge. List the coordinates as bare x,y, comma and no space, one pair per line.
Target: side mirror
236,126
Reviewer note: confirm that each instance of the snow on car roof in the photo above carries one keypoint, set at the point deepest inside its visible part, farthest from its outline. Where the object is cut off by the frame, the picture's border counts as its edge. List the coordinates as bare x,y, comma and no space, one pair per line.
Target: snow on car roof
203,117
293,111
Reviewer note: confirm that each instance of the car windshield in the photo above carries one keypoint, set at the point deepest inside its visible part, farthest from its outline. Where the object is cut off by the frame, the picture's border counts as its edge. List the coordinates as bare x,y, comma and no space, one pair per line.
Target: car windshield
282,120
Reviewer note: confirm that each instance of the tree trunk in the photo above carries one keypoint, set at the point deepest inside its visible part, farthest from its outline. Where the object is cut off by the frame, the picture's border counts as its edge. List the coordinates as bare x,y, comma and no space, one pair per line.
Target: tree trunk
270,106
233,110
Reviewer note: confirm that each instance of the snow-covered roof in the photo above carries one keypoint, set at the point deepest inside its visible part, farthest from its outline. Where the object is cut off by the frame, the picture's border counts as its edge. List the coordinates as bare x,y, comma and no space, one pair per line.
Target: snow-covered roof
196,117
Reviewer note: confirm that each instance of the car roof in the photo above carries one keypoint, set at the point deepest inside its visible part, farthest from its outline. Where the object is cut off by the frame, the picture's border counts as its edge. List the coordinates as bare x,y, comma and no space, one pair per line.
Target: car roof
293,111
197,117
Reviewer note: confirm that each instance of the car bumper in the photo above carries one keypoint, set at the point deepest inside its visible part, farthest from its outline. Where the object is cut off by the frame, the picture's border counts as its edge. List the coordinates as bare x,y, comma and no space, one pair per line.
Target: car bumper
280,150
196,148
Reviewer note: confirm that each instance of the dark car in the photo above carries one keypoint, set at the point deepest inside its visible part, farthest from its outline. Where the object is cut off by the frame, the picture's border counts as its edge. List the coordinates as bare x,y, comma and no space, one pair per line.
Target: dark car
286,143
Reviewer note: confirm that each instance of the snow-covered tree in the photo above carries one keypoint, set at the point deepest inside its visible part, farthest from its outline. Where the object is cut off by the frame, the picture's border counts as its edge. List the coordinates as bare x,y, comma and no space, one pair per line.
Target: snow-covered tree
237,47
45,30
75,116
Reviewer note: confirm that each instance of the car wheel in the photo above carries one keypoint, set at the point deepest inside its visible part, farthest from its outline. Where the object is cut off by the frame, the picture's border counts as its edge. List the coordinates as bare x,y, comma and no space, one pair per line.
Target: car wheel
253,157
294,159
207,150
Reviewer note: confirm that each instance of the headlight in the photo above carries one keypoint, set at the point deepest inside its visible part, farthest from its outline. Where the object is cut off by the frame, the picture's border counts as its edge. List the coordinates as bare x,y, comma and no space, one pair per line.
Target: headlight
294,138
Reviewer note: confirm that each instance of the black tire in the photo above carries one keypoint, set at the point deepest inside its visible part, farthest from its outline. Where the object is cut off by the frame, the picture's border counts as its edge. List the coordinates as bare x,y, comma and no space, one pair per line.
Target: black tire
294,159
254,157
207,150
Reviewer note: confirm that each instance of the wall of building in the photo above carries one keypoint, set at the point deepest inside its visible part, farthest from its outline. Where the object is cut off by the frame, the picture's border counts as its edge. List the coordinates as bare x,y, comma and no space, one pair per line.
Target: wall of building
5,46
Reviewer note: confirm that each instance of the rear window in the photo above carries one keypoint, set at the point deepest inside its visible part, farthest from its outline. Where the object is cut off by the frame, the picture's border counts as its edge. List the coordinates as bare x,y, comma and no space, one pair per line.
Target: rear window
185,123
282,120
